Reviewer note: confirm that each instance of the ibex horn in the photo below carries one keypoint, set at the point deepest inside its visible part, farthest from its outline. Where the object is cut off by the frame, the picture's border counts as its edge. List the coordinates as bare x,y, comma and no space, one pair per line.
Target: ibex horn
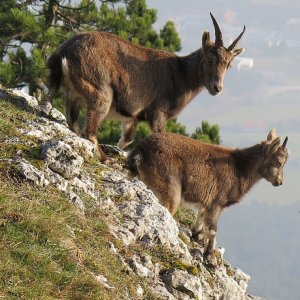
284,143
218,33
234,43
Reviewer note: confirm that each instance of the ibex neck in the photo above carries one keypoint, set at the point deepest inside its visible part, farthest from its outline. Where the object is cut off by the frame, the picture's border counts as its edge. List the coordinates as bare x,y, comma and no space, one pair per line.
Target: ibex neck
191,66
248,164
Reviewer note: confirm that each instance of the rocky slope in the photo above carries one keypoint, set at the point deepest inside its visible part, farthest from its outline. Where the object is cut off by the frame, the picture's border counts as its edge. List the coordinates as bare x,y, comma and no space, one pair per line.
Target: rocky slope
145,238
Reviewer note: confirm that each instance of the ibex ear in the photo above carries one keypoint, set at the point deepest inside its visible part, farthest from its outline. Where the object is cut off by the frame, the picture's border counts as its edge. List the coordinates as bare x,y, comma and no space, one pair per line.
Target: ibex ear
205,39
272,134
237,52
273,147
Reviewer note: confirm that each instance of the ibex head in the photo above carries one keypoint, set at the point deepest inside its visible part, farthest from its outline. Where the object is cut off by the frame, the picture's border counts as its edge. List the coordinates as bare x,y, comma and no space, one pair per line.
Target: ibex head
217,58
275,157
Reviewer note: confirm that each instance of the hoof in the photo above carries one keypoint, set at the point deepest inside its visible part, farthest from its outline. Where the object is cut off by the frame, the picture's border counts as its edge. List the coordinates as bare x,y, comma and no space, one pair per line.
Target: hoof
211,260
101,155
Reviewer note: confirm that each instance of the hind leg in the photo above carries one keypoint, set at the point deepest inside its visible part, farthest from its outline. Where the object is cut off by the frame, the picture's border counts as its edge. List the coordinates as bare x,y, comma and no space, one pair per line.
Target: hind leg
128,133
198,229
72,112
97,110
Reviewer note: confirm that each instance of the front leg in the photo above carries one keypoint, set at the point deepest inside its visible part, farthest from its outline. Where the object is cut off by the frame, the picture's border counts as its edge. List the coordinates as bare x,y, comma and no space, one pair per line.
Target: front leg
205,228
128,133
211,222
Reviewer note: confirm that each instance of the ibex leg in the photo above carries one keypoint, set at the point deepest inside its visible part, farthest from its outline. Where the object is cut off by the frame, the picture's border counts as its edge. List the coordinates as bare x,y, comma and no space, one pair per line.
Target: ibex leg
128,133
97,110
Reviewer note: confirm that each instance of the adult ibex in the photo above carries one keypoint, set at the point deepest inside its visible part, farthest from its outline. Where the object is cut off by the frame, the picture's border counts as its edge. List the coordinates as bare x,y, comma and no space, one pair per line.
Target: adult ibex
114,78
183,172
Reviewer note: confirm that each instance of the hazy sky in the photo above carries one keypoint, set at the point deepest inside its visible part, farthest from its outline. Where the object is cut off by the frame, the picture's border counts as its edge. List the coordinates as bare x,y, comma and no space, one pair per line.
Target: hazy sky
261,235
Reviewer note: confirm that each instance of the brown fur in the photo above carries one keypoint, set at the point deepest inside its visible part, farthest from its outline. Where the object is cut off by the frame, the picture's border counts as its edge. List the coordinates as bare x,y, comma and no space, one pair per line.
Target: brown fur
114,78
184,172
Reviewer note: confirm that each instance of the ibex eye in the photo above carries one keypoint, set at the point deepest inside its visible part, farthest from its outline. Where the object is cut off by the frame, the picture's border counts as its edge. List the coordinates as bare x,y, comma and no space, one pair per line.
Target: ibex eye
277,164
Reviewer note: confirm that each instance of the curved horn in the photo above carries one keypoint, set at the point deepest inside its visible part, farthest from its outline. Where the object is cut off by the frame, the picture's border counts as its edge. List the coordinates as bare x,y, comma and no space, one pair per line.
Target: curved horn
218,33
284,143
234,43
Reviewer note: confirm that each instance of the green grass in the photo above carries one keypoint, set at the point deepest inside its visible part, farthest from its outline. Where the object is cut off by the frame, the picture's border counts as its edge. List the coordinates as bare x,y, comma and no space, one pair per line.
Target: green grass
12,118
42,259
186,217
48,250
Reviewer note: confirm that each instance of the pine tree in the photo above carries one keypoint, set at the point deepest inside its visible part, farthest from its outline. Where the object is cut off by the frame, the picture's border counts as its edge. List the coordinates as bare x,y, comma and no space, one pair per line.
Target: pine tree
207,133
30,30
110,132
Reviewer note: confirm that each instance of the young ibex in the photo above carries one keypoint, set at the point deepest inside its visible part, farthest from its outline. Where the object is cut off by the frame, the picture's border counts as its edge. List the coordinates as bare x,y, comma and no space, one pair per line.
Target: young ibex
114,78
183,172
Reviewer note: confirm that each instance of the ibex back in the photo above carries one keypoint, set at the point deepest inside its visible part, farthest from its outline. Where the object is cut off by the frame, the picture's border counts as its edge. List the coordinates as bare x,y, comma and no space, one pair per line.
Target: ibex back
183,172
114,78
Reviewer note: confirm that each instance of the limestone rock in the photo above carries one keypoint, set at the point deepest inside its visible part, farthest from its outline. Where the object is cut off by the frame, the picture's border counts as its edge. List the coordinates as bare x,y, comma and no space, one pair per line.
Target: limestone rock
19,98
161,292
62,159
29,172
138,268
82,146
51,112
135,213
183,285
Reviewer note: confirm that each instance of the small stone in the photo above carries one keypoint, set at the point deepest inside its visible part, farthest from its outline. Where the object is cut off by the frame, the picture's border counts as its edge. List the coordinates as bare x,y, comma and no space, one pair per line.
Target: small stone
139,291
138,268
147,262
75,199
104,281
112,248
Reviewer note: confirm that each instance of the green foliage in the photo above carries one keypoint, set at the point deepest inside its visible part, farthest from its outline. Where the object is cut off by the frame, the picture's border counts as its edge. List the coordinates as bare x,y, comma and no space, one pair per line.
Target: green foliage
169,36
207,133
176,127
185,217
143,130
6,73
31,30
110,132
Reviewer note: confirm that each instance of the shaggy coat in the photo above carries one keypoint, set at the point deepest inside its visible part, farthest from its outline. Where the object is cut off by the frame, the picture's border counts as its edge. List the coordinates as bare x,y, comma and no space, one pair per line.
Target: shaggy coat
119,80
183,172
